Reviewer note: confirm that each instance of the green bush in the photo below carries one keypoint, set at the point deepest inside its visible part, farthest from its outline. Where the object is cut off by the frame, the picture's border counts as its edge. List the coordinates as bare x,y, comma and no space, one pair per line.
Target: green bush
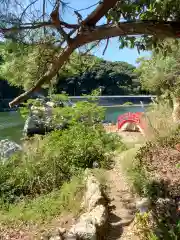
51,161
127,104
44,208
86,112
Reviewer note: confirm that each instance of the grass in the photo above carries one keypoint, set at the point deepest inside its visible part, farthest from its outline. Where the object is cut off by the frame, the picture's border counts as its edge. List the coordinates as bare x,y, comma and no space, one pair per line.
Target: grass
136,177
127,159
159,117
44,208
162,133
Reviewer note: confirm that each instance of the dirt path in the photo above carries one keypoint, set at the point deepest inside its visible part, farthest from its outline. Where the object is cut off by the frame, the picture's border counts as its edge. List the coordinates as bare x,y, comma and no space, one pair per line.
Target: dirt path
123,205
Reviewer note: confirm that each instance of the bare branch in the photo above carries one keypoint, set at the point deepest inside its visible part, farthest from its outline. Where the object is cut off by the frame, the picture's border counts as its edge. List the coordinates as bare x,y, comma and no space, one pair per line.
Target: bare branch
107,42
78,16
83,9
56,21
27,26
27,9
63,34
91,20
44,8
91,48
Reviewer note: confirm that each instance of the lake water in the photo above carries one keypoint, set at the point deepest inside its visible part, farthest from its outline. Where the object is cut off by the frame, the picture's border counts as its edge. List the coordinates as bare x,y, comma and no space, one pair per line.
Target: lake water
11,123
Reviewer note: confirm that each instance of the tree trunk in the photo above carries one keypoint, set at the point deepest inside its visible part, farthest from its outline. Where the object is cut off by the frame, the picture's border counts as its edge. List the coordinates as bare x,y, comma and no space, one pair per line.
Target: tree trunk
176,109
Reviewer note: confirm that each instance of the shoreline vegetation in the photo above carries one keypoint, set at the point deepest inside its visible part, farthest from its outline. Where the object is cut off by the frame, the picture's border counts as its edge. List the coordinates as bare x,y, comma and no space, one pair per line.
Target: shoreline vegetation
104,101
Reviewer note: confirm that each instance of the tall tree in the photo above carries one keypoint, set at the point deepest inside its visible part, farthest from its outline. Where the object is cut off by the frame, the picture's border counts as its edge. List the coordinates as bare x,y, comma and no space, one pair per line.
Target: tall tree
152,20
161,73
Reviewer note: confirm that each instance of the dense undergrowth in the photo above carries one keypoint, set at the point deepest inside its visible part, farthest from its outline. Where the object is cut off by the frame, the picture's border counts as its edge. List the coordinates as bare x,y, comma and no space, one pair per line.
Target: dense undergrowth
46,179
155,174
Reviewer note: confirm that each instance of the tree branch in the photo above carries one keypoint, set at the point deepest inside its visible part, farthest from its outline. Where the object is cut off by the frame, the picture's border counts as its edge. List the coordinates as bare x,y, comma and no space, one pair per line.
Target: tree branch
158,29
99,12
44,9
27,8
107,42
57,64
161,30
27,26
56,21
91,48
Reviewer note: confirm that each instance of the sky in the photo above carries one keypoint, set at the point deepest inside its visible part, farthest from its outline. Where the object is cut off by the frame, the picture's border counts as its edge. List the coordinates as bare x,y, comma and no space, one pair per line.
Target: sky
113,53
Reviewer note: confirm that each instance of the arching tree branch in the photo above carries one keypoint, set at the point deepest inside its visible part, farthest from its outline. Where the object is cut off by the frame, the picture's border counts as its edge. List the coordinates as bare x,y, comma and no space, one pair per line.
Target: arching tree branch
136,28
86,35
161,30
57,64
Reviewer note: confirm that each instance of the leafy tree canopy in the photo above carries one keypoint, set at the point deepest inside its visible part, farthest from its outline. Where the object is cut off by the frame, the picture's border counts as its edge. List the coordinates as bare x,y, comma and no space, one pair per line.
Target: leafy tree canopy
23,64
81,75
112,78
137,23
160,73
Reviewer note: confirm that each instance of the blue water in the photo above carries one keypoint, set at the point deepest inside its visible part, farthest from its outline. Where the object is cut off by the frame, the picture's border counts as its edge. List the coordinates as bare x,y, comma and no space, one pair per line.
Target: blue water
113,112
11,123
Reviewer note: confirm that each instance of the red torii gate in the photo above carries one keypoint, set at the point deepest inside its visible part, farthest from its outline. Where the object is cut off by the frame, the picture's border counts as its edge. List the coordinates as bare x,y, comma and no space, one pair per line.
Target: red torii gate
131,117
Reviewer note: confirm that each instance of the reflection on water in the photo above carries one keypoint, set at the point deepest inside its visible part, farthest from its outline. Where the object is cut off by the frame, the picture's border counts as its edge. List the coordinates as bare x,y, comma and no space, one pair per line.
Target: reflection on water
11,123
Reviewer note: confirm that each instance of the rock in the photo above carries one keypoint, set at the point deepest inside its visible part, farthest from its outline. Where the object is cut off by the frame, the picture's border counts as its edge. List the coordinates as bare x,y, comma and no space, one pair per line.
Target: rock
40,120
70,236
61,231
91,223
143,205
93,194
8,148
84,230
176,110
95,164
97,216
56,238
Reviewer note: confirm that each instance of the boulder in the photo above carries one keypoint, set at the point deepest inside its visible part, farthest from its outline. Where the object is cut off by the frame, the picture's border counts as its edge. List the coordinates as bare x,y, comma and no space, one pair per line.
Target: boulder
93,195
97,216
176,110
83,230
90,224
40,121
8,148
94,219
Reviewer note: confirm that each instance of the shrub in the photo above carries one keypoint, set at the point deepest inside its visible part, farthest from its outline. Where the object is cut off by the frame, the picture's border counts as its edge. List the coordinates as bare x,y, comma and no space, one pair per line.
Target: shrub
44,208
127,104
51,161
159,117
86,112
